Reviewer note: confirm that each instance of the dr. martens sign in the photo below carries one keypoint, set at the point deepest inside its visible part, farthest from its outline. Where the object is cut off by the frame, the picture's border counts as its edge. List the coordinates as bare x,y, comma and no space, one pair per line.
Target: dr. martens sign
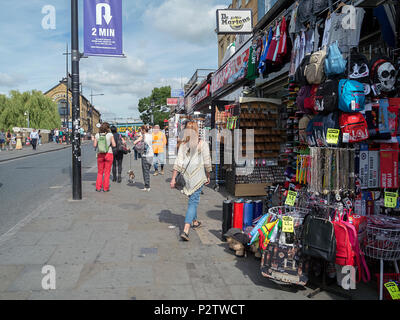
234,21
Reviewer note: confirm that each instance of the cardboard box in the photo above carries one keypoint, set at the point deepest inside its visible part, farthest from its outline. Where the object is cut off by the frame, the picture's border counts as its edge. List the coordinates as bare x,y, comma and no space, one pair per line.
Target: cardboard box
373,169
364,165
389,162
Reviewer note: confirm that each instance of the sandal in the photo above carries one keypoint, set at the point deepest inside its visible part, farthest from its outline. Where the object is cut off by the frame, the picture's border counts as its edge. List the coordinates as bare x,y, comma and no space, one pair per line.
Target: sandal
184,236
197,225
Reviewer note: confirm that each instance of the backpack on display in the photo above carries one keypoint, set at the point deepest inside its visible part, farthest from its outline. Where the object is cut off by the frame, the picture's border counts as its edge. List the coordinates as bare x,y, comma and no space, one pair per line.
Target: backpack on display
314,71
102,145
299,76
359,69
309,101
354,127
326,98
303,123
351,96
383,75
345,255
334,62
302,94
318,238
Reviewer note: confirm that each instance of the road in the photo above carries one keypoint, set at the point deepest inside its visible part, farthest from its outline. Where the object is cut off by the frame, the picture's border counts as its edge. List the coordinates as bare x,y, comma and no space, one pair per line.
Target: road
26,182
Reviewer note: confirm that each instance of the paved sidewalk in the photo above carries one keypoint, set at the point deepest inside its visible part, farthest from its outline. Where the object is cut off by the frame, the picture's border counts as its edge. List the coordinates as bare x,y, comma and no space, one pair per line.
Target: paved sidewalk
125,245
6,155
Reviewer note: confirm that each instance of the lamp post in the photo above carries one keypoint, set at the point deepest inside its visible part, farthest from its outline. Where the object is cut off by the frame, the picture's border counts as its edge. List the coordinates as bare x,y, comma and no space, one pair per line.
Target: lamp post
91,105
27,114
152,111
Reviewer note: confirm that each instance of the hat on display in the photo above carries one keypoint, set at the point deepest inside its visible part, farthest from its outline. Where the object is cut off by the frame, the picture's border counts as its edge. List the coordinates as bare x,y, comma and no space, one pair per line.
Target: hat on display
383,75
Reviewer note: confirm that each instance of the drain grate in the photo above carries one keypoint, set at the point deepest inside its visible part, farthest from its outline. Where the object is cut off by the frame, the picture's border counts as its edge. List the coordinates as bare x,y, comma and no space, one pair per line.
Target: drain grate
149,250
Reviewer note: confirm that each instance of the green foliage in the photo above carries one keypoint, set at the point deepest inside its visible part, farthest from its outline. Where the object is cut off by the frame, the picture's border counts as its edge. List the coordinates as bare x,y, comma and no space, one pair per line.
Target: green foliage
161,111
43,112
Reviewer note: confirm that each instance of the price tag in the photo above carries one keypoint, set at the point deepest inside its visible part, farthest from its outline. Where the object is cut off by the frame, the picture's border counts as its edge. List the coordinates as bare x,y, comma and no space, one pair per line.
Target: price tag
353,105
346,137
287,224
291,198
332,136
391,199
393,290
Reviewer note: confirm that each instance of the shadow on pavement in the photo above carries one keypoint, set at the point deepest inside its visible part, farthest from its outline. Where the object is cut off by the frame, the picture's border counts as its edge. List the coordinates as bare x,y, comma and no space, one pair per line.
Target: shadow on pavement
177,220
215,214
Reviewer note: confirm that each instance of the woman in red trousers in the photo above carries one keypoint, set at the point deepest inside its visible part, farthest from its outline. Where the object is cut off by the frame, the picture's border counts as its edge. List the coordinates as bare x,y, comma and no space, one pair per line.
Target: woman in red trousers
104,142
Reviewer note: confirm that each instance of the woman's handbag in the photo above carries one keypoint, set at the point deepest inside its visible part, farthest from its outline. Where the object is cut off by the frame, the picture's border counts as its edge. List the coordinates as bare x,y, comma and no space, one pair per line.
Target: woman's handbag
180,180
318,238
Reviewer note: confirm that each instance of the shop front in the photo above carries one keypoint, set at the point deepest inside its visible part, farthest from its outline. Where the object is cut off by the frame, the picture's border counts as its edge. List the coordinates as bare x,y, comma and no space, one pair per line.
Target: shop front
318,198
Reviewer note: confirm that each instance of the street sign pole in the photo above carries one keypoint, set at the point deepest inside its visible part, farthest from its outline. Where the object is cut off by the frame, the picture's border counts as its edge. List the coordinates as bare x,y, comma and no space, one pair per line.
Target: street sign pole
76,140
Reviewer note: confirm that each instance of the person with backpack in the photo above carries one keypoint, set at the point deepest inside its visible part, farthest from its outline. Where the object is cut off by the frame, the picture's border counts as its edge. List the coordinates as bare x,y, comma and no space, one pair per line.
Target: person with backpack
104,142
118,155
144,145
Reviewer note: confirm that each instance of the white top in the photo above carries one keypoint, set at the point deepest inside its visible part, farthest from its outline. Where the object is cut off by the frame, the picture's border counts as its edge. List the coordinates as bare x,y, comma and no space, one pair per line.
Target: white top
108,138
34,135
148,139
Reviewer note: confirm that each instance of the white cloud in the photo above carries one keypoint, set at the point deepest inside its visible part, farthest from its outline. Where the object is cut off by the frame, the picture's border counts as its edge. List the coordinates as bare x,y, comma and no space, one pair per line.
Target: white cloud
192,21
10,81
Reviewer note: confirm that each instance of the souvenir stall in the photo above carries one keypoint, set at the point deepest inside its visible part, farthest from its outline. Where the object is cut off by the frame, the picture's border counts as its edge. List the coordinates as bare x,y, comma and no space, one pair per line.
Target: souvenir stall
338,211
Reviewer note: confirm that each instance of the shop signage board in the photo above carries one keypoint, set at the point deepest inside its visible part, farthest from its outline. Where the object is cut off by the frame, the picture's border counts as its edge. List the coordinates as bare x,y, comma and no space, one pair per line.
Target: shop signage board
171,102
103,28
234,21
234,70
177,93
203,94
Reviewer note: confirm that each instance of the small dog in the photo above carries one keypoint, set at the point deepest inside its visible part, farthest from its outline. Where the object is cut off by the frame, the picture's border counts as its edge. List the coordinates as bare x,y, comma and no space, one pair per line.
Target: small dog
131,176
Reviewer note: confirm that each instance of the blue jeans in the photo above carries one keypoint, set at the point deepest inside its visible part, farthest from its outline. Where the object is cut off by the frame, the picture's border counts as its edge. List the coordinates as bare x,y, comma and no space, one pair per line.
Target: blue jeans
191,213
159,158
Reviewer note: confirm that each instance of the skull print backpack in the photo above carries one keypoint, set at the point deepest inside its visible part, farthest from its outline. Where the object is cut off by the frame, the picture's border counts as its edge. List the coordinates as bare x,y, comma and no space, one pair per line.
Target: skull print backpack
359,69
383,75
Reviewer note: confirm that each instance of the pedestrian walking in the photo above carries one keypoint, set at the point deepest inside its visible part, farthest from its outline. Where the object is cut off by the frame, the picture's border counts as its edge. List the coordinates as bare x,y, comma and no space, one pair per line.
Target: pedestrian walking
118,155
56,135
8,140
104,142
194,164
2,140
40,138
60,136
34,136
145,144
137,135
159,143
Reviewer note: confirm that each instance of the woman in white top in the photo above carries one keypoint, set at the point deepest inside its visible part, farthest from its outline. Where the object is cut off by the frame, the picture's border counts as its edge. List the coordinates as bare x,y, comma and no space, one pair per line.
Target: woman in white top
147,156
104,141
194,163
34,138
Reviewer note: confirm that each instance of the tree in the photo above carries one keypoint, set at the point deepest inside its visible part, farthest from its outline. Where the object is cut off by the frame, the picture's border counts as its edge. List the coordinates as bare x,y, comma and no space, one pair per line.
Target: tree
160,111
43,112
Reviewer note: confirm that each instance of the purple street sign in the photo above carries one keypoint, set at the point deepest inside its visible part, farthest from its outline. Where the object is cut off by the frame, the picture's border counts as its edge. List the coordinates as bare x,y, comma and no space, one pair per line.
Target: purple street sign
103,28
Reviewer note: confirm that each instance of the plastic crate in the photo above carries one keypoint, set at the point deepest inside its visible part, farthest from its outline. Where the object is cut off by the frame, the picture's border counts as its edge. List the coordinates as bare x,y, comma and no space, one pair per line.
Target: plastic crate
386,278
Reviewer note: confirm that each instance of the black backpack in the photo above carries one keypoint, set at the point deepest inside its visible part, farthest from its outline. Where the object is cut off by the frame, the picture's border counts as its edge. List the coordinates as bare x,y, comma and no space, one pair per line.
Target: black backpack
299,76
326,98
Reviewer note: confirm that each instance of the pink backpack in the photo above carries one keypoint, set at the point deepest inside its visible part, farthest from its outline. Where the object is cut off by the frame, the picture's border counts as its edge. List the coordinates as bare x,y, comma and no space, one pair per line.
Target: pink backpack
363,270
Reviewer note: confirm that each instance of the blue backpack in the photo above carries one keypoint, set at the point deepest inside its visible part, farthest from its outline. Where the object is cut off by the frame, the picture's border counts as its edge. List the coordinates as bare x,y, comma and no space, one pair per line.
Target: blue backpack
334,62
351,96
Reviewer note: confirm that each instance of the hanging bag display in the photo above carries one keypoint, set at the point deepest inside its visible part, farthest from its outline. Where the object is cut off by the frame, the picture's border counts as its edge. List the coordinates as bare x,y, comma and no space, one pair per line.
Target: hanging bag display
351,96
326,97
314,71
354,127
299,76
345,255
318,238
334,62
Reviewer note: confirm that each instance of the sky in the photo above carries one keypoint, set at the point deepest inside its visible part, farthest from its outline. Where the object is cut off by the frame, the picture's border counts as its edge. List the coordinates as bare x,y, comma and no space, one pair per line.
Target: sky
165,41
